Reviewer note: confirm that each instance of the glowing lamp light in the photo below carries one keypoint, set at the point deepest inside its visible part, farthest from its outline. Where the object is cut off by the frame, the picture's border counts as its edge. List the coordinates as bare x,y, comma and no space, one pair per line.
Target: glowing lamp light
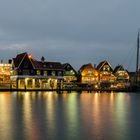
30,56
83,74
96,86
96,73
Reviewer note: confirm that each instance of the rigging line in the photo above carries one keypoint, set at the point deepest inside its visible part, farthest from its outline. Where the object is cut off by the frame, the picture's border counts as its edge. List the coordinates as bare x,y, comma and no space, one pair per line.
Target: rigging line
131,59
128,55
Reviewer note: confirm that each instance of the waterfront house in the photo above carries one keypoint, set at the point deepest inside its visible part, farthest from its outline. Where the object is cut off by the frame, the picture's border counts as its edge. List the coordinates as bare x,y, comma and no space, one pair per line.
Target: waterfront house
134,78
88,74
5,72
69,74
106,76
122,77
28,73
138,77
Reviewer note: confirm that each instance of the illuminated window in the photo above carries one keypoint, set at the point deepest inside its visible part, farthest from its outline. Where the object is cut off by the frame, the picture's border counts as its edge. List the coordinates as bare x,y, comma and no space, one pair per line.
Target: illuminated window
53,73
45,73
106,68
72,72
38,72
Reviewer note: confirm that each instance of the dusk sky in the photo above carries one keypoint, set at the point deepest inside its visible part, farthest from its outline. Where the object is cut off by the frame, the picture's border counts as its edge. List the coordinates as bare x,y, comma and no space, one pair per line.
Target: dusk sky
73,31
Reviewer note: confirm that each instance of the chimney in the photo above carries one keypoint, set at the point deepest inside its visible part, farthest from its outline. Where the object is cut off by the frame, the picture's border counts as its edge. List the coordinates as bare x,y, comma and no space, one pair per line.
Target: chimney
10,61
42,59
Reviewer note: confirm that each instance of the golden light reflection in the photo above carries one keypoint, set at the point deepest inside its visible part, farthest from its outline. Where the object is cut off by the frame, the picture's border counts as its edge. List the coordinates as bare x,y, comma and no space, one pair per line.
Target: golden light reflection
97,113
27,113
119,104
30,124
50,111
6,116
72,113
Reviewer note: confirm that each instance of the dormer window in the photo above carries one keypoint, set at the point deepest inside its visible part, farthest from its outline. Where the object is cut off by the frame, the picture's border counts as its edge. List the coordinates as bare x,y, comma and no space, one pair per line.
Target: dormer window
106,68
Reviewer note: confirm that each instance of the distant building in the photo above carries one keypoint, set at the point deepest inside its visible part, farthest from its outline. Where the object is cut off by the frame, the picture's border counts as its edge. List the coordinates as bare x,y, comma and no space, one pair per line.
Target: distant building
88,74
133,76
28,73
122,77
5,72
106,76
69,74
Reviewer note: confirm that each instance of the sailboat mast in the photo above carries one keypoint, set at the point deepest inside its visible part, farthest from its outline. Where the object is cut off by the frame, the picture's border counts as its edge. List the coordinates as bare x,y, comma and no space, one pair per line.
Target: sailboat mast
137,60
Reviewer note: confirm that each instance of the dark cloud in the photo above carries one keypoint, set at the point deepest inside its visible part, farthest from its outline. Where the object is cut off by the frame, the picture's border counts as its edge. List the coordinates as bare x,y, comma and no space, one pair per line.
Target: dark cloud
75,31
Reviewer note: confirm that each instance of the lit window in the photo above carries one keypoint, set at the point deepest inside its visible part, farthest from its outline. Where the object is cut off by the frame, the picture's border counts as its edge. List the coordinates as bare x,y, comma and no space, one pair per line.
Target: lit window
38,72
45,73
106,68
53,73
72,72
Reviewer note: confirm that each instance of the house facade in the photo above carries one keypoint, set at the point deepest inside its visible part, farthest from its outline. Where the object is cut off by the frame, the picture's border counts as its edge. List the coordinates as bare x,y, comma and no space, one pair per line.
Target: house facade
134,78
5,72
28,73
122,77
88,74
106,76
69,74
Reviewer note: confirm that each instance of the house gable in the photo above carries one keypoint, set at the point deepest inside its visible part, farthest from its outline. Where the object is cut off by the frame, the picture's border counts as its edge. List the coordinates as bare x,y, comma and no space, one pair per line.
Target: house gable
19,58
121,73
105,66
69,70
26,63
88,70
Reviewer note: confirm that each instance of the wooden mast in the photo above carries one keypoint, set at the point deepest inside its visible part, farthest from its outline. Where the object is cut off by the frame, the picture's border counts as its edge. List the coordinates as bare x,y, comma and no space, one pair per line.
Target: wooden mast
137,59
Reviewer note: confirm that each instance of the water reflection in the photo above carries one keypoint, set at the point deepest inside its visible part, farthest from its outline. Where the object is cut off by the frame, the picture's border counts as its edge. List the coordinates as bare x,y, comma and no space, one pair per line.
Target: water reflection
69,116
6,116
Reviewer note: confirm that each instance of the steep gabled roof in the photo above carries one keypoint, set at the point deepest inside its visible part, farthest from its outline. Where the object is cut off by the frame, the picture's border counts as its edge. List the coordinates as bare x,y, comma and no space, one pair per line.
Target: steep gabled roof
101,64
47,65
19,58
83,67
37,64
118,68
66,65
54,65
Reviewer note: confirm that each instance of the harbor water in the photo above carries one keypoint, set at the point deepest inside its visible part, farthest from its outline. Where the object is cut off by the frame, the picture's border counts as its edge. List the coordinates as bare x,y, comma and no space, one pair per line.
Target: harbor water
69,116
